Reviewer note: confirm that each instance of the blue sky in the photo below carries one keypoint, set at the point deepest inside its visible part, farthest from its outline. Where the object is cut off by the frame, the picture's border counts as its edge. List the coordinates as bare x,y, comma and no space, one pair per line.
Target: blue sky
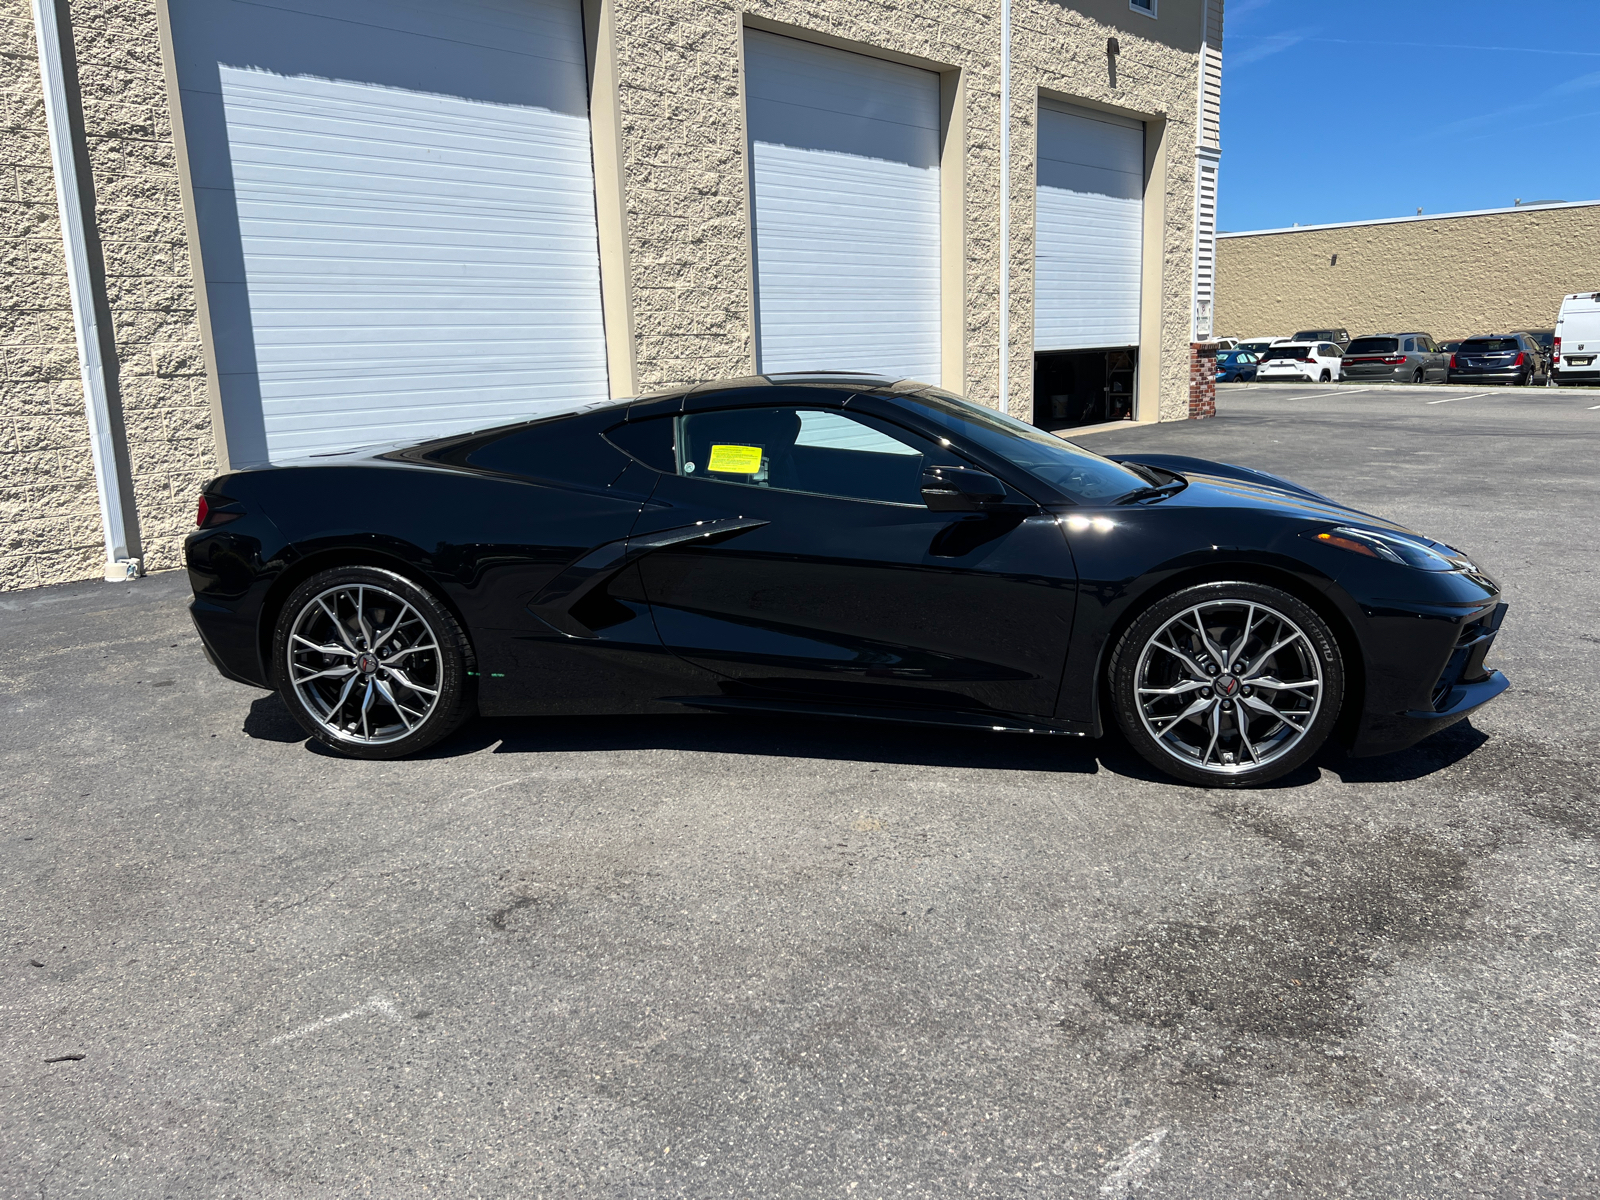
1356,109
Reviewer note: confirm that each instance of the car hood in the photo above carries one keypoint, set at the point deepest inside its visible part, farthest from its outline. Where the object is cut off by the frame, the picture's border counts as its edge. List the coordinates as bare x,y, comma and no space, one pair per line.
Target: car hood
1224,485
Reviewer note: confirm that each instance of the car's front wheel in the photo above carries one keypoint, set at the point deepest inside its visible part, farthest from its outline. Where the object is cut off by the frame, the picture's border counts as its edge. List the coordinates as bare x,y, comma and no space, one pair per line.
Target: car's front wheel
370,664
1227,684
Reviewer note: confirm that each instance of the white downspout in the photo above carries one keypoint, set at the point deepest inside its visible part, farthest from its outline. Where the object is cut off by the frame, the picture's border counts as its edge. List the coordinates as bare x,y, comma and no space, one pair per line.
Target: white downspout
1005,206
120,565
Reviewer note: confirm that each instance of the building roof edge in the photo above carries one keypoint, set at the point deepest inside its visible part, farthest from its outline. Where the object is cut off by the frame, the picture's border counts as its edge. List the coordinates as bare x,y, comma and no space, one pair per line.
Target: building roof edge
1477,212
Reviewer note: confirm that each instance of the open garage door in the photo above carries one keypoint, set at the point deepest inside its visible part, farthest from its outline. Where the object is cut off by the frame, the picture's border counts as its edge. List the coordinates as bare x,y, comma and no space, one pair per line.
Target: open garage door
396,212
844,153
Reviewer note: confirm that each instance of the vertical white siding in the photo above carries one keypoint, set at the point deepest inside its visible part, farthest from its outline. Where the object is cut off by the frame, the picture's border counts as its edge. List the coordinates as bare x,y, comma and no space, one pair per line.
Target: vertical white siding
396,208
1089,229
844,153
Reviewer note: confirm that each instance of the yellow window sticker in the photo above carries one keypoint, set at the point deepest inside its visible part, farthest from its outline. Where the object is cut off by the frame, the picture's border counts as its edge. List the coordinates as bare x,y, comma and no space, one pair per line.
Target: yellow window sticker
735,460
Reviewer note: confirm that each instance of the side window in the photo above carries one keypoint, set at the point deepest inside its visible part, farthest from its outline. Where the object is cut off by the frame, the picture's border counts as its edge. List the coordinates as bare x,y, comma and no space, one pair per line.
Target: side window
1409,346
823,452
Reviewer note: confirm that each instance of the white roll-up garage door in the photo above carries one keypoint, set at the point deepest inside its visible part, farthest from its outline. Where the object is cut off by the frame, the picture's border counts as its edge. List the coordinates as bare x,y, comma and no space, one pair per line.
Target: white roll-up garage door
1088,229
396,212
844,153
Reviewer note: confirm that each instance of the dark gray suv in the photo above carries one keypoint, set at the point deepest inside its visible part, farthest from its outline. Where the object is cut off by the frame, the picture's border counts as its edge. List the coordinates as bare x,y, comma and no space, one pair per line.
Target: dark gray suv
1395,358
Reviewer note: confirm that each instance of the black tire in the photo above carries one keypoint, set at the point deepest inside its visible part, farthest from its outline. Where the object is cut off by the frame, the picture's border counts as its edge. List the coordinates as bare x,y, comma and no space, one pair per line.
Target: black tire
1523,380
1416,376
410,660
1279,745
1327,377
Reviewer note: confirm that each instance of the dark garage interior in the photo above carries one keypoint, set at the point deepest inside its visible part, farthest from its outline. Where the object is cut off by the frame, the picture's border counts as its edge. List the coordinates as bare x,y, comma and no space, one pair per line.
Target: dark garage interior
1083,387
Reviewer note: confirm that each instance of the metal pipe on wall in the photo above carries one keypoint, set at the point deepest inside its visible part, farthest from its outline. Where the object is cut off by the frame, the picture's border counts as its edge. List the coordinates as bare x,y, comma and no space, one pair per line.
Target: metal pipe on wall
1005,206
114,517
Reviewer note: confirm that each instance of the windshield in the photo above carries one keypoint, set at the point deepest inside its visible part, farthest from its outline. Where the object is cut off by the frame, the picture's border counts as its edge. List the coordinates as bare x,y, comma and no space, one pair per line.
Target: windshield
1374,346
1255,347
1234,357
1287,352
1068,468
1490,345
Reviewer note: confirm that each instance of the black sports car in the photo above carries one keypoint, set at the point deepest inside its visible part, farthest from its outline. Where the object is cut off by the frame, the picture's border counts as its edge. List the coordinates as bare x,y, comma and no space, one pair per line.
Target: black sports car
834,544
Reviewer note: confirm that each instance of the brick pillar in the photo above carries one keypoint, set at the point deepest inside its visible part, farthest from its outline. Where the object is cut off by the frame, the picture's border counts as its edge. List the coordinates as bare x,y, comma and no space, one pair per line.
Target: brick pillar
1202,380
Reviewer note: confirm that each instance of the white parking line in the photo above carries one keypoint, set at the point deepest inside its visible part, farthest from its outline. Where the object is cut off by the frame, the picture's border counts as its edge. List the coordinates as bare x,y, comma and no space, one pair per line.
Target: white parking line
1453,399
1592,407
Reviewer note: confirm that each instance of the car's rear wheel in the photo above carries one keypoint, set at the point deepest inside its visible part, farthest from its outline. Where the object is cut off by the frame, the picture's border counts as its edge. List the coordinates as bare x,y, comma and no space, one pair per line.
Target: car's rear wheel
370,664
1327,377
1227,684
1416,376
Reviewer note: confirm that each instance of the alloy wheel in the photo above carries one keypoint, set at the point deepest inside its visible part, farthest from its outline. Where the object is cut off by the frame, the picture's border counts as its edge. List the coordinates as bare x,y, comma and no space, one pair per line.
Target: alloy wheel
1228,686
365,663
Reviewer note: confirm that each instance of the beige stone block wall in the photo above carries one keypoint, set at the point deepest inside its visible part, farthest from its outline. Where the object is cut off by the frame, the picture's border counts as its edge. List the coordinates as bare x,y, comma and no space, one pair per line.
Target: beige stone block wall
1448,276
49,514
49,511
686,188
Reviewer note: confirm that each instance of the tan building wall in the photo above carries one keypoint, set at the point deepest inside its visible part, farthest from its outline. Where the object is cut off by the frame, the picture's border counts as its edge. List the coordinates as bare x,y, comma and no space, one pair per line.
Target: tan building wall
1451,276
673,204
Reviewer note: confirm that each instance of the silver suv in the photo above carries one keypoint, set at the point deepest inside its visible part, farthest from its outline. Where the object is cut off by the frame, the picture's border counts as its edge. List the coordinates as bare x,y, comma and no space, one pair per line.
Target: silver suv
1395,358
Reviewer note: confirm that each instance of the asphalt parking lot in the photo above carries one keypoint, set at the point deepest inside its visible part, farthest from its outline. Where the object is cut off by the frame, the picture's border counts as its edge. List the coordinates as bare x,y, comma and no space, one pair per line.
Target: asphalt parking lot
699,956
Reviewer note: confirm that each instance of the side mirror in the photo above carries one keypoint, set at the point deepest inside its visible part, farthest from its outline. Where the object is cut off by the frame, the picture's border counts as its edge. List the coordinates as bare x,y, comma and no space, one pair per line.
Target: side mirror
961,489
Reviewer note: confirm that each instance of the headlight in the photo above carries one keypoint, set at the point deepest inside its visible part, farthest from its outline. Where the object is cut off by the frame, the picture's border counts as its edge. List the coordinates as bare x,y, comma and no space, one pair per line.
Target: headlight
1392,547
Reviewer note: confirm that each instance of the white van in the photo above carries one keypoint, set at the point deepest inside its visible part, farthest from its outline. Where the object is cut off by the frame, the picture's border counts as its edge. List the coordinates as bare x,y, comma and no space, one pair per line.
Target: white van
1575,358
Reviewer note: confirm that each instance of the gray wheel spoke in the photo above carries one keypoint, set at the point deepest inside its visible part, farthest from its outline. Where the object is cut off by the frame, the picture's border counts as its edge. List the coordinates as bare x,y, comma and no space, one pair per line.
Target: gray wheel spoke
366,707
338,672
1218,655
1262,659
324,647
393,626
1195,669
361,617
1177,689
1259,705
1199,706
1244,638
338,625
401,678
1241,723
383,690
1277,685
399,654
1216,731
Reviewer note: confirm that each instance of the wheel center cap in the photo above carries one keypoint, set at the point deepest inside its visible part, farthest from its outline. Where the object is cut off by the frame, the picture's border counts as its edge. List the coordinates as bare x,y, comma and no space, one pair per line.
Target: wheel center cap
1227,685
367,664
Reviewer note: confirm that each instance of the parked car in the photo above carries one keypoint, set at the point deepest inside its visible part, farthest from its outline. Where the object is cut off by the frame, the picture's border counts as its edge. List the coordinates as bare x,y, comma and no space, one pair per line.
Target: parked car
1338,337
833,545
1226,343
1300,362
1236,366
1258,345
1509,358
1449,347
1577,341
1547,349
1395,358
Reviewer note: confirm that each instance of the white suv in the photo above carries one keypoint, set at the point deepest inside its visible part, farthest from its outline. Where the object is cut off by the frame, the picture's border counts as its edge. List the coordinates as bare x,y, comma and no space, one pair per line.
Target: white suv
1300,362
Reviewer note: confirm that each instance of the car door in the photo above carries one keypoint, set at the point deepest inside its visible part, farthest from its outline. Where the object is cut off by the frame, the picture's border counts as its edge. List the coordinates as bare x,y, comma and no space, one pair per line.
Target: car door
825,578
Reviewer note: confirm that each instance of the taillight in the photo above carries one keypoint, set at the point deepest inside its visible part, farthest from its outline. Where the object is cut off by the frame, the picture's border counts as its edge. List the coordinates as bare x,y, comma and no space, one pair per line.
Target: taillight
1518,363
217,510
1555,353
1452,362
1396,360
1307,360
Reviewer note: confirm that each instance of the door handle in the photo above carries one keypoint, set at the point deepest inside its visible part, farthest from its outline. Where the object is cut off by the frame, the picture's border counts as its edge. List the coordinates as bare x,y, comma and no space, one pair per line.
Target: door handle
580,578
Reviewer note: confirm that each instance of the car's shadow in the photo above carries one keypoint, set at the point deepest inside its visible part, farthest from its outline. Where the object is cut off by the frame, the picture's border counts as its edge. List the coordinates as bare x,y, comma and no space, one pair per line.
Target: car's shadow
861,741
